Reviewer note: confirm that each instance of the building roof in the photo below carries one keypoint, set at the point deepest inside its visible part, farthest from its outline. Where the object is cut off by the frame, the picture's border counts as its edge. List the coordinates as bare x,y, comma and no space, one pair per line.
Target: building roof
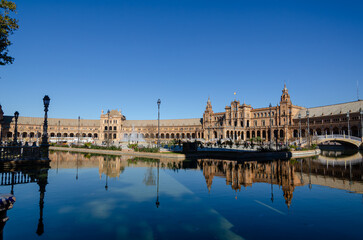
166,122
53,121
341,108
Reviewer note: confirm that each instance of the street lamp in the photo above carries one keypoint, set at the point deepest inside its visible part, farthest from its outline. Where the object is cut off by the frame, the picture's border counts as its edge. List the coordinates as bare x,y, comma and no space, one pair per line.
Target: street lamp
361,122
159,102
108,128
307,115
58,131
299,129
16,115
79,126
348,124
270,127
45,144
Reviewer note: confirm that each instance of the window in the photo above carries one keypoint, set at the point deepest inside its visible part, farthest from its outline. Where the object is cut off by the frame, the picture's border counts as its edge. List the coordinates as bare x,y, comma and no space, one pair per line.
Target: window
114,128
255,123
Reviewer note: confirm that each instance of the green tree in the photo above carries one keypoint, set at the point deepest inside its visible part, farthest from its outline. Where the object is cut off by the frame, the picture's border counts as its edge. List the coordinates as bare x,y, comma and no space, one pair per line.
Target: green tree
7,26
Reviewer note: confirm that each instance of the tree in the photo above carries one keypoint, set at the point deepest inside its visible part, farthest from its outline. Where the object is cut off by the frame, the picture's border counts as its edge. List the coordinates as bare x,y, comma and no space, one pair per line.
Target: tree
7,26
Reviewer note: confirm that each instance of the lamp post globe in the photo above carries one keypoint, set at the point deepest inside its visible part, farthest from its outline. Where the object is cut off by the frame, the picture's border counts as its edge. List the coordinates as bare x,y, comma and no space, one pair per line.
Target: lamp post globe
46,101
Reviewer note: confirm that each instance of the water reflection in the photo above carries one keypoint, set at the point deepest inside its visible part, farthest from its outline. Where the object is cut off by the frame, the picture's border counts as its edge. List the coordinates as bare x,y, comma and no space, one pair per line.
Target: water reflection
335,169
136,186
20,175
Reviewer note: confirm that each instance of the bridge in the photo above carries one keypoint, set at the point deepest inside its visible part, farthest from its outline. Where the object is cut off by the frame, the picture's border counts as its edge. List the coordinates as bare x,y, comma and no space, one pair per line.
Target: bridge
344,139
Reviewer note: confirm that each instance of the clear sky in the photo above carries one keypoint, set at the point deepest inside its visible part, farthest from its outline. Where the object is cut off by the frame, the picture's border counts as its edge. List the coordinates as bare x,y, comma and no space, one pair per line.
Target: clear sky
89,55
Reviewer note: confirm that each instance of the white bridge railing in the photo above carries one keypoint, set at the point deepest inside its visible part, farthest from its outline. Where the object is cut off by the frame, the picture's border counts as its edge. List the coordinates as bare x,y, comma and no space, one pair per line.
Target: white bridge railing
337,136
327,136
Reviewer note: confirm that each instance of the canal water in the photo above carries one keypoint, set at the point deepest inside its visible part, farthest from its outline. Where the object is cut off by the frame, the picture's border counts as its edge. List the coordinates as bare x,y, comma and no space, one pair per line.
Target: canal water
106,197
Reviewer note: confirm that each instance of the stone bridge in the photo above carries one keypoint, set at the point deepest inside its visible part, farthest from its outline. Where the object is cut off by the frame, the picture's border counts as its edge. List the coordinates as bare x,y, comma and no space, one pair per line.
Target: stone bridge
344,139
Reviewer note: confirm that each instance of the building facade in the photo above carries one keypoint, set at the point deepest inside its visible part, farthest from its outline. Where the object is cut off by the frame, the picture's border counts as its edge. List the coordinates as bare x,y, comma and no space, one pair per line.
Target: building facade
238,122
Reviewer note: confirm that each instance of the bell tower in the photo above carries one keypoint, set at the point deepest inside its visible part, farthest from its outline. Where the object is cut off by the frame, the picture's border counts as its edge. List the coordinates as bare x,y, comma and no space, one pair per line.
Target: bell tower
207,120
285,97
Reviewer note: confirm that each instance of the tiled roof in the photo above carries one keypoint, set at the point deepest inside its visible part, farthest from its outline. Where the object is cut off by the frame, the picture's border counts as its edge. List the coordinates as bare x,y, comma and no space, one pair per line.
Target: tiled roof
341,108
53,121
168,122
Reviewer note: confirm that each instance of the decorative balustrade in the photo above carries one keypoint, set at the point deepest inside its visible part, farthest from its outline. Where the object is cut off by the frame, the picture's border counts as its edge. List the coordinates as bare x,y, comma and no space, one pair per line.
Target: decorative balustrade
10,153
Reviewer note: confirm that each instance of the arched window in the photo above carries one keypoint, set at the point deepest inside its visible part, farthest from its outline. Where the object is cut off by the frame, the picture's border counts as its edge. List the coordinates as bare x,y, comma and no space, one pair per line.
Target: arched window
106,128
114,128
114,136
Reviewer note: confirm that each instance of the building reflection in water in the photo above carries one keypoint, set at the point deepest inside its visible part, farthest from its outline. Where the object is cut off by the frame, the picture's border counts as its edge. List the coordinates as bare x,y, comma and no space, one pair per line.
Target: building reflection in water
13,177
332,169
288,175
244,174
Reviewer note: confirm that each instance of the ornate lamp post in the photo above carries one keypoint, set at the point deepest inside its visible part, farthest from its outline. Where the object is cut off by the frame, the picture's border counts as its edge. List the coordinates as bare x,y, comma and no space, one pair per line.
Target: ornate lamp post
108,128
79,126
307,115
44,144
299,129
159,102
361,122
16,115
348,124
58,131
270,126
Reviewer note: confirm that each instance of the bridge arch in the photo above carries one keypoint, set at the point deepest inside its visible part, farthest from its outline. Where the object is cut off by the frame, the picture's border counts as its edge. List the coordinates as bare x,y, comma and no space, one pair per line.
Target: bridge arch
342,139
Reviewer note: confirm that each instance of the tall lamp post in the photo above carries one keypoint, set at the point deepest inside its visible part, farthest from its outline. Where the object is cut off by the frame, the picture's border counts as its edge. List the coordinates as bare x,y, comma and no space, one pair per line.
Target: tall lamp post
159,102
108,128
79,126
58,131
348,124
361,122
299,129
270,126
307,115
45,145
16,115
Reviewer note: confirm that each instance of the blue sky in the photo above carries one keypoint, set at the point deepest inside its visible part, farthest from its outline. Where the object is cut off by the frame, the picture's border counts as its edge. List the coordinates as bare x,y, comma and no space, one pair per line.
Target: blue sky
89,55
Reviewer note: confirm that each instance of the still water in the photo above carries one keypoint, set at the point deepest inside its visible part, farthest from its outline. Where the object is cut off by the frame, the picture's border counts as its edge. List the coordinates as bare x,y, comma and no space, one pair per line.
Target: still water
101,197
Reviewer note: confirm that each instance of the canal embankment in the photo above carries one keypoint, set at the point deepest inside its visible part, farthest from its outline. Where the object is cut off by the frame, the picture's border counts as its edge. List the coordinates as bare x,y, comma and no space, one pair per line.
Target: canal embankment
232,155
